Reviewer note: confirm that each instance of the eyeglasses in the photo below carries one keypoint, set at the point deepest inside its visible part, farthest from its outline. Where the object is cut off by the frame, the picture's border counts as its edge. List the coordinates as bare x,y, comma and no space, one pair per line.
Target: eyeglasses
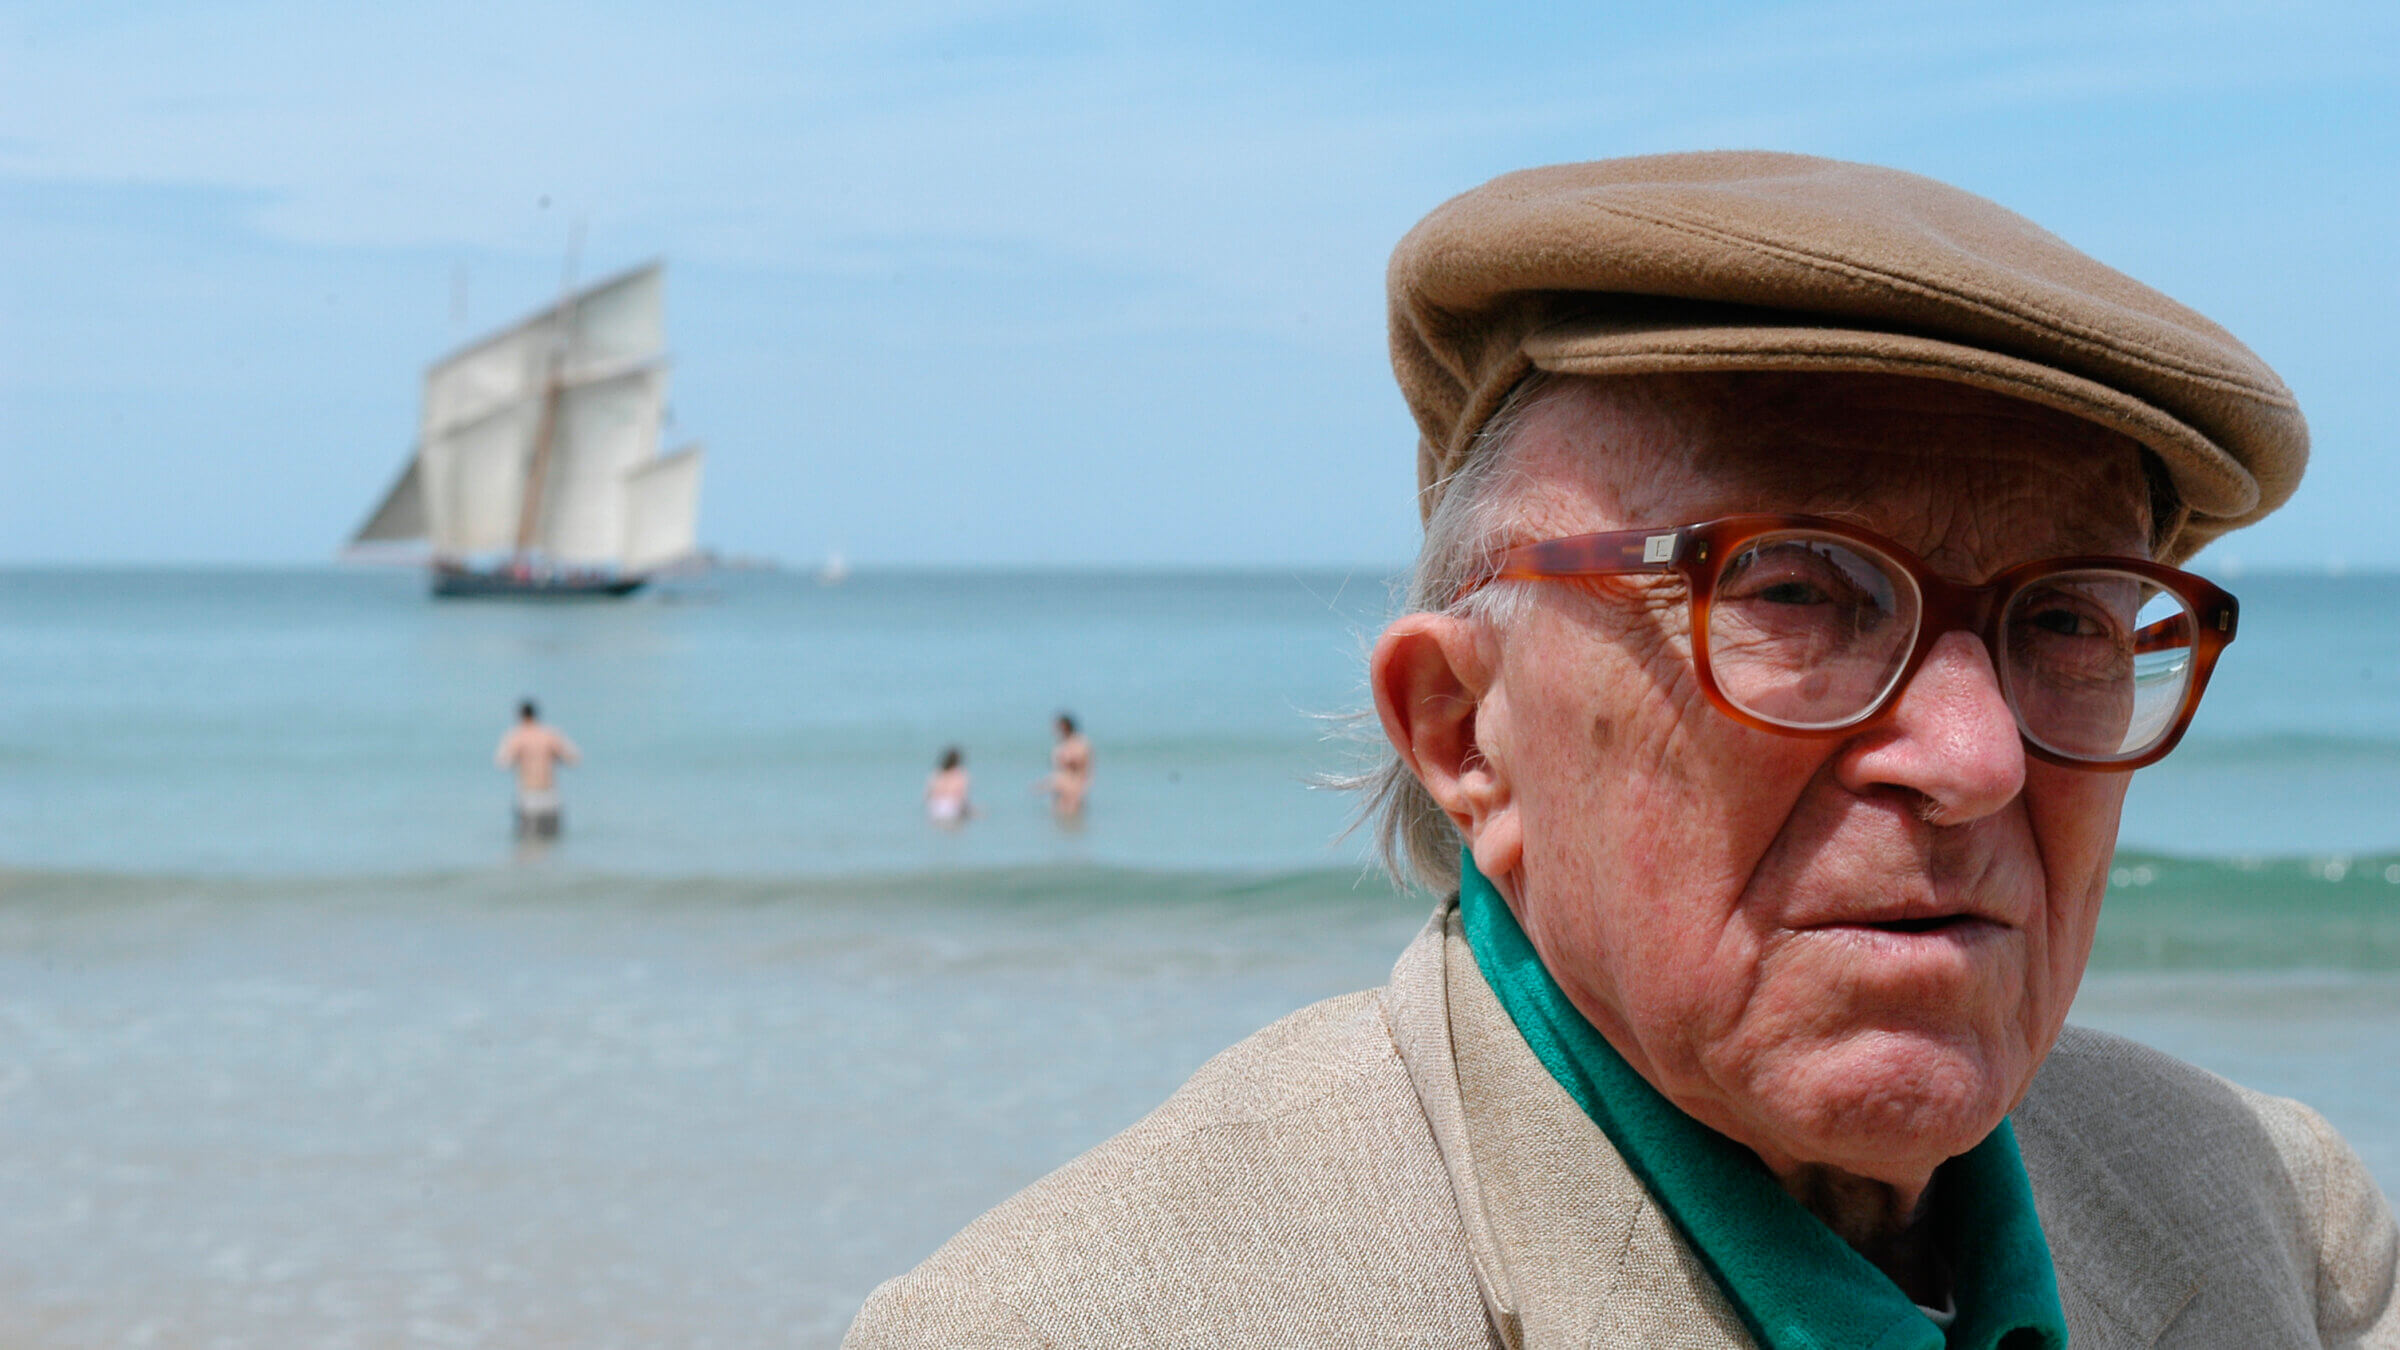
1811,627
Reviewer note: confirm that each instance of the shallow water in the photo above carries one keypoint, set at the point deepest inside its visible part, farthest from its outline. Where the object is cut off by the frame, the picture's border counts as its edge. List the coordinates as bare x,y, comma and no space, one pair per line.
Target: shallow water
502,1111
527,1107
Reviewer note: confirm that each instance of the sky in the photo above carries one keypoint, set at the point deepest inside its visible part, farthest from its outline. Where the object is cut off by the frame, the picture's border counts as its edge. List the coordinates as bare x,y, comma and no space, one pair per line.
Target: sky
1083,284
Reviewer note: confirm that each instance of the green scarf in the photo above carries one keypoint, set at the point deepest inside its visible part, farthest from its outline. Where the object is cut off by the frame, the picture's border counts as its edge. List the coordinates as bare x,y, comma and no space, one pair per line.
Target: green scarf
1795,1284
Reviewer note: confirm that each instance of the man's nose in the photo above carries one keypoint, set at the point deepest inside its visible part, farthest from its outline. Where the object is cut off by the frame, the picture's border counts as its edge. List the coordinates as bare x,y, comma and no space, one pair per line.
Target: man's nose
1950,737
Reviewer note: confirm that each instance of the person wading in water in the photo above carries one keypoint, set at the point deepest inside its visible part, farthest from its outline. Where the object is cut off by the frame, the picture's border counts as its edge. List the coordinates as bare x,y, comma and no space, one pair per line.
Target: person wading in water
535,751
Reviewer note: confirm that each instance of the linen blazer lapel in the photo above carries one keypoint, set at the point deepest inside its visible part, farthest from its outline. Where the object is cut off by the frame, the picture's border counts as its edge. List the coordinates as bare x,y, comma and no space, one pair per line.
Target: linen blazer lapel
1416,1004
1569,1248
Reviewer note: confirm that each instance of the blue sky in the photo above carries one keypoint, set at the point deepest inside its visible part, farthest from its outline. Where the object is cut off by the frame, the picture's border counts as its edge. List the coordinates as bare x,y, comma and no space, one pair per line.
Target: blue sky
1027,283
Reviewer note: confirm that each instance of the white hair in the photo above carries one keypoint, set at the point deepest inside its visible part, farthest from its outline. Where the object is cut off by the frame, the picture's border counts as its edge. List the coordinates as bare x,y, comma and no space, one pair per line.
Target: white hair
1469,528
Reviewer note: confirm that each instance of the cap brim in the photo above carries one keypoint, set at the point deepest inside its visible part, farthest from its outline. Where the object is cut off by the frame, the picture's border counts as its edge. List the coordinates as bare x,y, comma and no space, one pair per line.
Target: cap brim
1668,337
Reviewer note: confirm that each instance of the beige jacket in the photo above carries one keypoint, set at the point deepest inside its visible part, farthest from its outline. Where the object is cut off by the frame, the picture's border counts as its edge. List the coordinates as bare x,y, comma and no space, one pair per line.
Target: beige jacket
1396,1168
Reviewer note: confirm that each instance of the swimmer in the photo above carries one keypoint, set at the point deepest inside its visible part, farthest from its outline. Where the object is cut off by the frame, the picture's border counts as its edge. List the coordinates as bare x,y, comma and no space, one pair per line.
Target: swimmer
536,751
1070,777
946,802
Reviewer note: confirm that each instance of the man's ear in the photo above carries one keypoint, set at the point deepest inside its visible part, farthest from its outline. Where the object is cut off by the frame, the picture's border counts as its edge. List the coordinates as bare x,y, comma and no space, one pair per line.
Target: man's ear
1436,681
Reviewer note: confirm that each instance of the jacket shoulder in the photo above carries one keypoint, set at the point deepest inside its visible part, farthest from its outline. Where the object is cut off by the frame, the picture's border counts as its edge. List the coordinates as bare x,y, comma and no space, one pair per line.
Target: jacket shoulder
1289,1193
2173,1198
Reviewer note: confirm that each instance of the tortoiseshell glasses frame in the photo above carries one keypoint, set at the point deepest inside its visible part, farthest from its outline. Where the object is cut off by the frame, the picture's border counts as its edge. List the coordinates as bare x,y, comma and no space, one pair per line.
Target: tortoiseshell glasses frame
2102,659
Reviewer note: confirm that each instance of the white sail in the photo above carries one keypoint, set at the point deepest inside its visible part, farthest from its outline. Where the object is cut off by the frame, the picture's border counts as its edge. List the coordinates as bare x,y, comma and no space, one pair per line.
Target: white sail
474,480
400,516
603,431
618,322
500,371
662,509
560,413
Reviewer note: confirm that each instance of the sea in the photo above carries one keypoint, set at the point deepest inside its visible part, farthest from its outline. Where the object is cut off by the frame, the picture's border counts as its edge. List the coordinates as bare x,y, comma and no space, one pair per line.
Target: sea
300,1046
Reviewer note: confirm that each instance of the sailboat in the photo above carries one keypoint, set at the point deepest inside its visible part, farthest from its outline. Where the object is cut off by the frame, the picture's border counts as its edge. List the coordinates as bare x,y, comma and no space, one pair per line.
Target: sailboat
537,471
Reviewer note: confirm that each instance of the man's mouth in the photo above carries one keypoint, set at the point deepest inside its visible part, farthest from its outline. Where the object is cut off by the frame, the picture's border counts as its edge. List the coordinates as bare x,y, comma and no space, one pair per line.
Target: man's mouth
1927,924
1918,919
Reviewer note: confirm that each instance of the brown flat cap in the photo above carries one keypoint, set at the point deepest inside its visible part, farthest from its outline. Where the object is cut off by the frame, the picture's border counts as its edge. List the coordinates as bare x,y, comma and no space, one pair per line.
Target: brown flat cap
1747,260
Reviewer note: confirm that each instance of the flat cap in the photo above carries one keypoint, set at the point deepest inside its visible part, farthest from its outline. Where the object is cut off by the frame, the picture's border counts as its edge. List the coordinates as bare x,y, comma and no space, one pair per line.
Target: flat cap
1749,260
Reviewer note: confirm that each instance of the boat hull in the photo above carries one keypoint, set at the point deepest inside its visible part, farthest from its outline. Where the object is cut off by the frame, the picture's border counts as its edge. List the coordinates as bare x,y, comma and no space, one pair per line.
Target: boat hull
452,582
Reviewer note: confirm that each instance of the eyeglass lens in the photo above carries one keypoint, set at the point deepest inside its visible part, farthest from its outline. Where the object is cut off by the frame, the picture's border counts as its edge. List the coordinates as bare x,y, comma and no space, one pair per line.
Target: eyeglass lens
1811,631
1808,631
2097,662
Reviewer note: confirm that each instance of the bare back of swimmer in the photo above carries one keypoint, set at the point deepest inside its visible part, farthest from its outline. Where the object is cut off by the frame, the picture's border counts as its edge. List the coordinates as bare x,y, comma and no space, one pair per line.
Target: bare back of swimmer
535,751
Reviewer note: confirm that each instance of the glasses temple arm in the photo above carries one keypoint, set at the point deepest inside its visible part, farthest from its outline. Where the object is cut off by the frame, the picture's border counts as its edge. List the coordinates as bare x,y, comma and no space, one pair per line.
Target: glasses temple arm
2175,631
1615,553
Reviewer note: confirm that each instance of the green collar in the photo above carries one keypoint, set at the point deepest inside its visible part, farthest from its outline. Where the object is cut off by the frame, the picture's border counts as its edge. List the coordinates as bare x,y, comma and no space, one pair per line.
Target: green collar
1795,1284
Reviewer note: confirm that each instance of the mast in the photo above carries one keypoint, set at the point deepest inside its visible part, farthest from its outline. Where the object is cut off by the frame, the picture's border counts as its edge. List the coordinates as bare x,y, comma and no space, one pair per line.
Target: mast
545,431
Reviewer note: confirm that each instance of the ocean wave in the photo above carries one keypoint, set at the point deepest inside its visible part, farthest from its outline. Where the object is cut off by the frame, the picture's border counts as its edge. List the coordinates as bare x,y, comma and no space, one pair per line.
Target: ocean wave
1072,883
2337,912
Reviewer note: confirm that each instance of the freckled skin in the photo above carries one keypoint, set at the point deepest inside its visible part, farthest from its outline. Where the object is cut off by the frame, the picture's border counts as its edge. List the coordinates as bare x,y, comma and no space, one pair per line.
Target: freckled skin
1687,879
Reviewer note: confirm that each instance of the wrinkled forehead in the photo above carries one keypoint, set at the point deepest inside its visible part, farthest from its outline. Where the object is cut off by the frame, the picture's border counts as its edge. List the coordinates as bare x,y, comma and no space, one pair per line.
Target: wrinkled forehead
1973,478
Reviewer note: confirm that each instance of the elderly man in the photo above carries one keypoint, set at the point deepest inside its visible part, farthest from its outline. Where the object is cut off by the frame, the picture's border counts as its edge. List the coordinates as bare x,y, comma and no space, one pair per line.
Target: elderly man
1797,592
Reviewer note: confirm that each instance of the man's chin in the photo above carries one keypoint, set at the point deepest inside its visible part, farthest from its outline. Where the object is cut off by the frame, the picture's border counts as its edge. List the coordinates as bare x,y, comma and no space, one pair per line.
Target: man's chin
1890,1106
